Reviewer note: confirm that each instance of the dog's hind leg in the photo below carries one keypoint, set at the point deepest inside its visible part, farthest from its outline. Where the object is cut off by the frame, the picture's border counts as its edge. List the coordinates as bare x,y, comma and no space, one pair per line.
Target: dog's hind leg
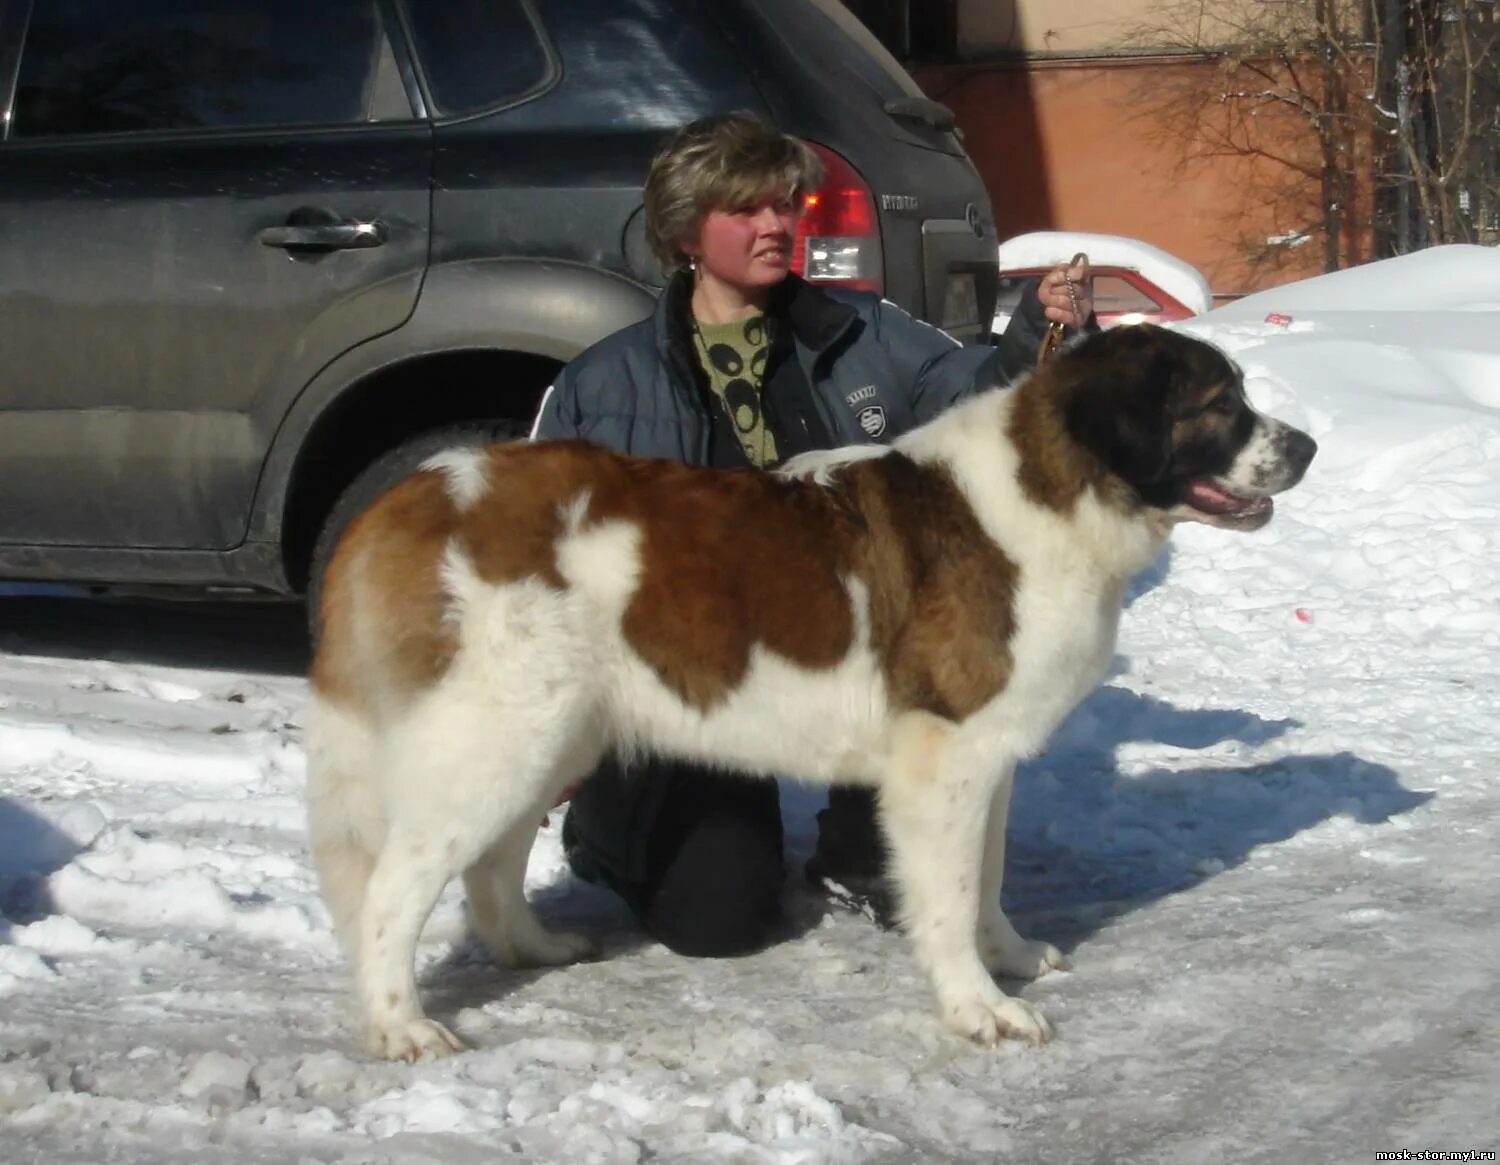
468,784
496,883
501,916
345,813
410,873
470,767
1004,951
933,802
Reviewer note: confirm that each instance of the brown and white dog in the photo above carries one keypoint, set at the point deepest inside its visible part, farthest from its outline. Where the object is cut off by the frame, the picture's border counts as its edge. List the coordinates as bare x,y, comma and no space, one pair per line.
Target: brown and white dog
915,618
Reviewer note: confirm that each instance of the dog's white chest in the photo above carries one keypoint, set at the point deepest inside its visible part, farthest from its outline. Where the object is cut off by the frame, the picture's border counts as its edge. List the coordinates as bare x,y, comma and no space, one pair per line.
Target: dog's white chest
1064,639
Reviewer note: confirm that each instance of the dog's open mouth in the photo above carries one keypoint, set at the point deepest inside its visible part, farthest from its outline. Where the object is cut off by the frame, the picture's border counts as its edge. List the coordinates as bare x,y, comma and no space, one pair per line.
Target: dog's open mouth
1220,507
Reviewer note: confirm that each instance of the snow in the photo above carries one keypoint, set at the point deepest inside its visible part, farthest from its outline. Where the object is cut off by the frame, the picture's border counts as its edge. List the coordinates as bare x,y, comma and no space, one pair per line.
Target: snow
1178,278
1459,278
1267,844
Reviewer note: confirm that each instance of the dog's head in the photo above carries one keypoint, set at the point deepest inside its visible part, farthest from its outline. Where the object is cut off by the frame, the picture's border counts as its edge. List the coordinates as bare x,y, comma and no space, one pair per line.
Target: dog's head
1166,414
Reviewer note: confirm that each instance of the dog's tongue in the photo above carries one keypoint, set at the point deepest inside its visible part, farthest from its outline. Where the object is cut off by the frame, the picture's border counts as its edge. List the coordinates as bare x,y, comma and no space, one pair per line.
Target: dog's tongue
1206,496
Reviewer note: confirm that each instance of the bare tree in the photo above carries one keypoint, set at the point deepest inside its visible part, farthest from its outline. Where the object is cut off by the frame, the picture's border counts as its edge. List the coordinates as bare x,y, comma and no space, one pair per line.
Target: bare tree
1370,126
1445,118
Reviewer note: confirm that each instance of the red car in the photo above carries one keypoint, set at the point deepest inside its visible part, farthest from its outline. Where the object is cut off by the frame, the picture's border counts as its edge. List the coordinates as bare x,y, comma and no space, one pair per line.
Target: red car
1131,278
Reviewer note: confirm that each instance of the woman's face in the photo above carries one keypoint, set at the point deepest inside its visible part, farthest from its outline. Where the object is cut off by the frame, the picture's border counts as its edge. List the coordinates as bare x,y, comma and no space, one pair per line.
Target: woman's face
748,248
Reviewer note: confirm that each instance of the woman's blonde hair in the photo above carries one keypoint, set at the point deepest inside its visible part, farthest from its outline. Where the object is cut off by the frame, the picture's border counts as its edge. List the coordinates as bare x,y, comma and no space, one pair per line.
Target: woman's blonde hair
718,163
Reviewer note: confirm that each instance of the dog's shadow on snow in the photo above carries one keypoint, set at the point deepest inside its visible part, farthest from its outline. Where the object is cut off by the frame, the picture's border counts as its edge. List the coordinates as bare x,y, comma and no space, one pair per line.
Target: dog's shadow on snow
1146,581
1093,835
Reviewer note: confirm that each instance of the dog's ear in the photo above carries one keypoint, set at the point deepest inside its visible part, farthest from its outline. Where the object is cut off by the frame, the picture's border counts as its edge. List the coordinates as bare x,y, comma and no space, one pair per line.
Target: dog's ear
1121,389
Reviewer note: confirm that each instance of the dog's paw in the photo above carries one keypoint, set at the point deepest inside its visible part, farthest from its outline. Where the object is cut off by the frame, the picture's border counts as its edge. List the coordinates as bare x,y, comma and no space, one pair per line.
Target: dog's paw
1023,959
553,950
988,1022
414,1039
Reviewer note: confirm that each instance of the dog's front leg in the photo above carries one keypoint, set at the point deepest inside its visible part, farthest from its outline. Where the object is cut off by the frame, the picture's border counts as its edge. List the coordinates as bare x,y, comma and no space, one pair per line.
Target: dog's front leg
934,803
1004,951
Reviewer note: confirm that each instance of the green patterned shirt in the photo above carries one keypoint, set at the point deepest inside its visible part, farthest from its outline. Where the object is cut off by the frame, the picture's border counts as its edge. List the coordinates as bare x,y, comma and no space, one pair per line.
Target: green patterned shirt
733,356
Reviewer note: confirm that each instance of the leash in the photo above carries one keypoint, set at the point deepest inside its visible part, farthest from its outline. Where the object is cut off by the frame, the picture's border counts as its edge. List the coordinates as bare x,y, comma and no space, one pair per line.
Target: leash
1053,340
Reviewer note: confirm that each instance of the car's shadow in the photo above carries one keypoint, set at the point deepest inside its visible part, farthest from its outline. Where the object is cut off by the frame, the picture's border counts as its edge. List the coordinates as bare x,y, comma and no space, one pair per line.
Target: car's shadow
253,636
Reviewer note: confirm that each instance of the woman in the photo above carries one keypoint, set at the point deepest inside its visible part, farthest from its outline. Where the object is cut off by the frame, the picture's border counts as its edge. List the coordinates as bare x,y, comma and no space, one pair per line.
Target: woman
743,364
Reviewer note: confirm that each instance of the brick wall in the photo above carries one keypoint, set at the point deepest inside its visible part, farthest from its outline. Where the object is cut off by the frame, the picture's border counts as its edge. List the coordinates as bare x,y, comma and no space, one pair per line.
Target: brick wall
1082,145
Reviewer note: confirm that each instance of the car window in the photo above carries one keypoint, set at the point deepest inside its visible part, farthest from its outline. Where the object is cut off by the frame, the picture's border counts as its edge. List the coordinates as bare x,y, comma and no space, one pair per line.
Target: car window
88,68
477,54
1113,294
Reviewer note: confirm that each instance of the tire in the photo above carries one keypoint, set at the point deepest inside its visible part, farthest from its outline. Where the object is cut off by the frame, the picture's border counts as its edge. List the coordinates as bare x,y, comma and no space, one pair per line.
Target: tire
392,466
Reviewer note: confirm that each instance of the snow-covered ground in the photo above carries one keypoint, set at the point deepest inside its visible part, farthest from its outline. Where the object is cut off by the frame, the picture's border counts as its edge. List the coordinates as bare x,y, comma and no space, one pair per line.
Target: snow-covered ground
1268,845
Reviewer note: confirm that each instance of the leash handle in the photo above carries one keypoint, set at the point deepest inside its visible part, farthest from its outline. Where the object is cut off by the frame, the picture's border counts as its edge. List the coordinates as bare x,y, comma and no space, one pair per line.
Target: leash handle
1052,341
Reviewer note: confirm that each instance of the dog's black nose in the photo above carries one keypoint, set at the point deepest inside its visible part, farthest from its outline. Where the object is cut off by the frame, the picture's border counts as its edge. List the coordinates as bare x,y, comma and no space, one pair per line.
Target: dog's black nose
1300,450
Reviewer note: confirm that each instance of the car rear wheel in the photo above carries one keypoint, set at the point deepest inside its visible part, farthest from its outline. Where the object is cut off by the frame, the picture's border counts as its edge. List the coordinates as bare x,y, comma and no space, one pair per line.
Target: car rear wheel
380,475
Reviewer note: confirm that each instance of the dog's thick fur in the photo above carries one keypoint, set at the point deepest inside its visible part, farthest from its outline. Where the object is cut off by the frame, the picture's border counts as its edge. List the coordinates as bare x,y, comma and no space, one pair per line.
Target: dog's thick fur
916,619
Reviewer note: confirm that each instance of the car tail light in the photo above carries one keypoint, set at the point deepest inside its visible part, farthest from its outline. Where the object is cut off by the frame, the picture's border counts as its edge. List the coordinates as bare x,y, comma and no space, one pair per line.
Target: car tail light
838,237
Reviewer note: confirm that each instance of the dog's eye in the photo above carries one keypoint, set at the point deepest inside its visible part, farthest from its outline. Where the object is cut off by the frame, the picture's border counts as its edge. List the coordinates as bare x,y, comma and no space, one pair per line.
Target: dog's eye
1223,403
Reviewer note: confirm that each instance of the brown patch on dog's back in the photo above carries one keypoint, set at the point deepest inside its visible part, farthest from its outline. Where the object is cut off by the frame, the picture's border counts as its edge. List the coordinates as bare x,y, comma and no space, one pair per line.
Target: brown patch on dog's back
382,596
734,559
730,559
740,558
512,531
942,593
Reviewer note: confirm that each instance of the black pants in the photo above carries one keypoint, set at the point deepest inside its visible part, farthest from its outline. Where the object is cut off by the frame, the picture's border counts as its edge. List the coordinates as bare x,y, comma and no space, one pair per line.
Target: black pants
697,855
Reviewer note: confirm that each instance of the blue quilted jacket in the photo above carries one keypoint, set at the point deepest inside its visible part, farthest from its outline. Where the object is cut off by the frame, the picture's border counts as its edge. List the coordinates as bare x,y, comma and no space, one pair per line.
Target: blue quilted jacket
871,371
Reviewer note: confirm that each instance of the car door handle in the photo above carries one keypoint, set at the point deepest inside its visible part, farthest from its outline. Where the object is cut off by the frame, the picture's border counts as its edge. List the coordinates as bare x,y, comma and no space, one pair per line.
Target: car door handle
313,229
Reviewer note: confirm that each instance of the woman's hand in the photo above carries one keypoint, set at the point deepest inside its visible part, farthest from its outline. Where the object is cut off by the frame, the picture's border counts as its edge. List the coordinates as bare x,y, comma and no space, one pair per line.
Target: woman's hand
1058,304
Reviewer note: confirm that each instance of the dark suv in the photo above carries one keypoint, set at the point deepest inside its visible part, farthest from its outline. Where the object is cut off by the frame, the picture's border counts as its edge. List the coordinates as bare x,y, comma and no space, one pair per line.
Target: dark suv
251,248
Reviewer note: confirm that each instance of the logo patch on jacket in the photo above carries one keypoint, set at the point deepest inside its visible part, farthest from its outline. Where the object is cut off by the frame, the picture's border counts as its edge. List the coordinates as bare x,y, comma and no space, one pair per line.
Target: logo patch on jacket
872,420
859,394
